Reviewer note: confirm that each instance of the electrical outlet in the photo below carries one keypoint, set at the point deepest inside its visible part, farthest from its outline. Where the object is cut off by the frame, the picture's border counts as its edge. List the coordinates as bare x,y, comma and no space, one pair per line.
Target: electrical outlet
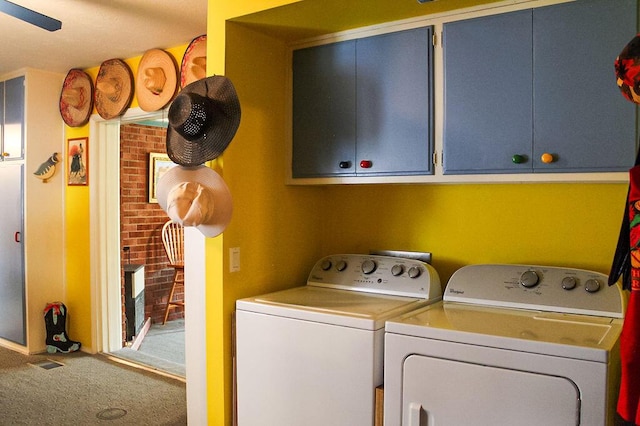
234,259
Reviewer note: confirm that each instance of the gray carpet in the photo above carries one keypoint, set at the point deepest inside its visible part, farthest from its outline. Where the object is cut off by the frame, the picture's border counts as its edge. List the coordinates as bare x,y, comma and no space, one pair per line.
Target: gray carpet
161,349
84,389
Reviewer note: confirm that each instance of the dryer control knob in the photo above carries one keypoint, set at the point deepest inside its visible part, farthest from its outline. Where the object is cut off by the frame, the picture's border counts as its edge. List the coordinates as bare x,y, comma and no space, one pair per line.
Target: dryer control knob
397,270
326,265
569,283
369,266
592,285
414,272
529,279
341,266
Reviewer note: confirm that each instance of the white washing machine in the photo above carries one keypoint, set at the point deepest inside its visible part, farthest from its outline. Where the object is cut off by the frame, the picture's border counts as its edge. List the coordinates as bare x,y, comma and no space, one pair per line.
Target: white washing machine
508,345
312,355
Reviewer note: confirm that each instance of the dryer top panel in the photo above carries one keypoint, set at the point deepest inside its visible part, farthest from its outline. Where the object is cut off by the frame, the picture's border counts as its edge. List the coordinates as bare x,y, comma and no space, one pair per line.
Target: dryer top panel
543,288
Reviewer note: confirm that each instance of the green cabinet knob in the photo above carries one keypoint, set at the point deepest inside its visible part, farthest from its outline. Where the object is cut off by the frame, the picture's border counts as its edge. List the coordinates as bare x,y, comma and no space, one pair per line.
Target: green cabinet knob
518,159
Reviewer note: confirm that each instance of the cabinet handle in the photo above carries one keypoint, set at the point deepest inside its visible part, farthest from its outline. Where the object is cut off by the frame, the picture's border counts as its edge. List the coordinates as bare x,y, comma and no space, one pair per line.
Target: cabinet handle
345,164
16,237
547,158
519,159
366,164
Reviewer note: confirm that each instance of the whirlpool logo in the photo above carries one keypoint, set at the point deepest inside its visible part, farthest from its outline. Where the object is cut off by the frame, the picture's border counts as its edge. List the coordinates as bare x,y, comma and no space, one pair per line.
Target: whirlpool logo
454,291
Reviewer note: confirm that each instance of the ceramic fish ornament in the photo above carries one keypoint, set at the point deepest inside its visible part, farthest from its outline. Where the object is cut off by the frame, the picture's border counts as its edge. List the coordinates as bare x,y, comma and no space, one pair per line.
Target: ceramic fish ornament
48,168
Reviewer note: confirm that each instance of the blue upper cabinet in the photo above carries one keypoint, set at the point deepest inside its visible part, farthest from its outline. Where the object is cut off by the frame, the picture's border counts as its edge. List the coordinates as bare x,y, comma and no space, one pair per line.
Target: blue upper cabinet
535,91
580,117
488,94
364,107
324,110
12,119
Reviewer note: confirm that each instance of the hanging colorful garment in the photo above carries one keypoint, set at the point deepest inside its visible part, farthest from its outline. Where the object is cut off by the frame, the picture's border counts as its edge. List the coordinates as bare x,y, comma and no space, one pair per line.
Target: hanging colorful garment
626,261
629,397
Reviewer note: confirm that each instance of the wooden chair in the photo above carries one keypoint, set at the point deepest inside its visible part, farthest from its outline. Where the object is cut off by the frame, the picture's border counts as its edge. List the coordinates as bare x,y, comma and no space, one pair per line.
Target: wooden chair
173,240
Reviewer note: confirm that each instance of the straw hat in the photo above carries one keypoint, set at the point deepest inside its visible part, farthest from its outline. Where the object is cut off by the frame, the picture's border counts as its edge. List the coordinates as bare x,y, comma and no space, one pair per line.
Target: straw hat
114,88
196,196
157,80
627,67
203,119
76,98
194,61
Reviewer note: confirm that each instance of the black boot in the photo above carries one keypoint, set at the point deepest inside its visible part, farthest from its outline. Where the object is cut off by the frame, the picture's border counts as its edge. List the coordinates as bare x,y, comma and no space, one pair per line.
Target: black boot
55,317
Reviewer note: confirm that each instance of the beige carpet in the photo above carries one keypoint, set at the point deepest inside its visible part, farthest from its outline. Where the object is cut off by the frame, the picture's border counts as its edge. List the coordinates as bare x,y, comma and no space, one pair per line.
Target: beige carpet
84,389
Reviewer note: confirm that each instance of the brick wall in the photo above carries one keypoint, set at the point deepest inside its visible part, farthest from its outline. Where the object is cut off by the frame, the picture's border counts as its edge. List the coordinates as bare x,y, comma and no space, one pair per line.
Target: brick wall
141,222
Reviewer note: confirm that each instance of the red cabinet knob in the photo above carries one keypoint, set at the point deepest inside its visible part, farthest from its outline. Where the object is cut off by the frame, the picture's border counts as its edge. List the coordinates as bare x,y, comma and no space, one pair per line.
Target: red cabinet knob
366,164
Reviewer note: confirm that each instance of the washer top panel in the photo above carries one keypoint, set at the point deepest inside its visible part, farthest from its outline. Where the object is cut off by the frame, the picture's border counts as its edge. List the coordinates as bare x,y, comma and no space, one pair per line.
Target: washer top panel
360,291
377,274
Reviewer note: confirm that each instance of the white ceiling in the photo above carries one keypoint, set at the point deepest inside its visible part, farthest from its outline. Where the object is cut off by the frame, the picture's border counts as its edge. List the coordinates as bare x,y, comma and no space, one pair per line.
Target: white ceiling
96,30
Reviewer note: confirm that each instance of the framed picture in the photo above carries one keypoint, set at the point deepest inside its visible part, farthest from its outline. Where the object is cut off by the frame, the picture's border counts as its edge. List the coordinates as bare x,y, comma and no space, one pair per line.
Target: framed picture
78,161
159,164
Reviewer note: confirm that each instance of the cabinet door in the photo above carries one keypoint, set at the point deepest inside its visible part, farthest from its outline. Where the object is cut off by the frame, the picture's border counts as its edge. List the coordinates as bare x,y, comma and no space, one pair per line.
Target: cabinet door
324,97
579,114
12,309
488,94
394,118
13,148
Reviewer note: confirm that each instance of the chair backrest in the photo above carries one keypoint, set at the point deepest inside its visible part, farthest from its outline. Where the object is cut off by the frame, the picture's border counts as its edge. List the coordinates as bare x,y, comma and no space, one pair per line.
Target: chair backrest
173,240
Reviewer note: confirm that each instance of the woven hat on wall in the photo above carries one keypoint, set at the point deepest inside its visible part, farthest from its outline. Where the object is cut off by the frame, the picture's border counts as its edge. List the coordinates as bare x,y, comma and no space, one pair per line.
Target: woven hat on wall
114,88
194,61
196,196
157,80
76,98
627,66
203,119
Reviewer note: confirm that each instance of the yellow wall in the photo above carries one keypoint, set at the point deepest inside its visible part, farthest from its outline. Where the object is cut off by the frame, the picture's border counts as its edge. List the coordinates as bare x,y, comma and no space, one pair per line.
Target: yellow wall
281,230
77,203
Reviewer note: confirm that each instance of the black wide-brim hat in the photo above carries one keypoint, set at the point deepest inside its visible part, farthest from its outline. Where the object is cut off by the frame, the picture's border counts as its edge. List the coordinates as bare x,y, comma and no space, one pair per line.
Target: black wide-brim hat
203,119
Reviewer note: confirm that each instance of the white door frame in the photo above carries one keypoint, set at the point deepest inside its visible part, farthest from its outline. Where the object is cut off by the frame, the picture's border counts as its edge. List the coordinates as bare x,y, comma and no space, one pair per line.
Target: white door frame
104,190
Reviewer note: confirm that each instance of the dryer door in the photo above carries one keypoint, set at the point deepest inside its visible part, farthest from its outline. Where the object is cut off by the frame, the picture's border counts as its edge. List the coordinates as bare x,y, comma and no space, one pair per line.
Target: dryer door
440,392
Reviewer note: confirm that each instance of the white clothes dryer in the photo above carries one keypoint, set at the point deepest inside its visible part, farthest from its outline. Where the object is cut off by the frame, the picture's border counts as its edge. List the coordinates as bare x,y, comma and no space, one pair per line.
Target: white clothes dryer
313,355
508,345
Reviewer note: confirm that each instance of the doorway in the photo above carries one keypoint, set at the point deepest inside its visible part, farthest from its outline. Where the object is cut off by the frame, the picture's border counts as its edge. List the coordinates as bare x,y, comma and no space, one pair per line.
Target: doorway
106,260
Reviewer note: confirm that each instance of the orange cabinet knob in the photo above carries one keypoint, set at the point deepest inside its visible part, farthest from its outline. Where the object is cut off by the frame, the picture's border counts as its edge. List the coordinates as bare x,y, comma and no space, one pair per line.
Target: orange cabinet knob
547,158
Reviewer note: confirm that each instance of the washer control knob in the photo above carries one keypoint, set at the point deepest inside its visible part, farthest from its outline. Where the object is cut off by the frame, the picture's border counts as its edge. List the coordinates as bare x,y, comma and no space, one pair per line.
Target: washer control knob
569,283
592,285
529,279
326,265
341,266
369,266
397,270
414,272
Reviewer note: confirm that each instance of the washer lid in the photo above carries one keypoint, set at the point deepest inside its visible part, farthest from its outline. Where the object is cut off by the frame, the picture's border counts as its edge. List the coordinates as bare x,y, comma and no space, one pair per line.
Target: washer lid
566,335
331,306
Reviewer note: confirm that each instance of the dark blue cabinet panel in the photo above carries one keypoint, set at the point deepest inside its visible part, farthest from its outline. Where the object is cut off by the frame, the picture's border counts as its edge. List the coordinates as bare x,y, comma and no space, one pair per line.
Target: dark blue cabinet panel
488,94
12,290
579,114
394,103
538,81
364,107
12,140
324,108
